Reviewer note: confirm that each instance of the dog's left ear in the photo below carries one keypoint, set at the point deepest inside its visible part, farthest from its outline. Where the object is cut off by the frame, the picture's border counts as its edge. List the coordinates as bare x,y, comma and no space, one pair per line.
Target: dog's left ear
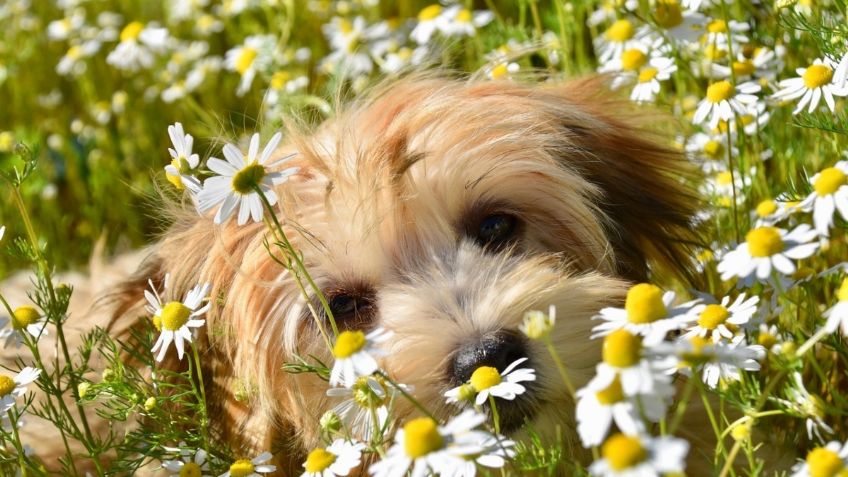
648,188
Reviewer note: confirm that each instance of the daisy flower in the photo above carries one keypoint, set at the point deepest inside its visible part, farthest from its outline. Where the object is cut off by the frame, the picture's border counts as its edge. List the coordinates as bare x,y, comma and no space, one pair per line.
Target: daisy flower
723,100
503,70
24,319
337,459
234,186
12,388
718,31
537,325
487,381
625,358
430,19
621,35
830,193
823,79
175,318
138,44
365,411
830,460
625,455
461,21
769,336
767,249
251,467
253,56
647,312
807,405
679,24
648,80
719,362
837,315
183,161
355,354
190,463
720,320
709,150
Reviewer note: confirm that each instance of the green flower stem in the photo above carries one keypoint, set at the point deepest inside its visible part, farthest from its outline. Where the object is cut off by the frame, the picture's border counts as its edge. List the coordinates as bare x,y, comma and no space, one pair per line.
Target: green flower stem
204,419
405,394
563,371
495,416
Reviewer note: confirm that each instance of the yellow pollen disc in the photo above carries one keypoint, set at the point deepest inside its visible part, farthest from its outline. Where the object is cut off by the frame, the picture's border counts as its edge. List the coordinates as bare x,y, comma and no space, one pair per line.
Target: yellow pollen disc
842,294
464,16
157,322
430,13
279,79
348,344
766,208
720,91
205,21
132,31
724,178
623,452
74,52
318,460
174,315
345,26
647,74
245,59
7,385
764,242
191,469
644,304
421,437
485,377
717,26
668,14
620,31
766,340
743,68
714,149
248,177
746,119
712,316
829,181
622,349
824,463
714,52
612,394
365,396
499,71
24,316
817,76
633,59
241,468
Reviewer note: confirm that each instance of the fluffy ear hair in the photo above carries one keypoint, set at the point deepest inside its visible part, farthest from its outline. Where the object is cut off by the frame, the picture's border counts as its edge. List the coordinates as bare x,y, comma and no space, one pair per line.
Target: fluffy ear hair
647,187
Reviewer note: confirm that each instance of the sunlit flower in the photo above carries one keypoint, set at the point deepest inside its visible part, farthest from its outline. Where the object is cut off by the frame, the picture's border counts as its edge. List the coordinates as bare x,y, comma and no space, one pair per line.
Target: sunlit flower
355,354
823,79
720,32
767,249
625,455
248,59
365,411
537,325
647,311
723,100
183,160
828,461
337,459
620,36
625,358
719,321
176,318
251,467
12,388
460,21
487,381
430,19
139,43
191,463
24,319
830,193
678,23
719,362
806,405
837,315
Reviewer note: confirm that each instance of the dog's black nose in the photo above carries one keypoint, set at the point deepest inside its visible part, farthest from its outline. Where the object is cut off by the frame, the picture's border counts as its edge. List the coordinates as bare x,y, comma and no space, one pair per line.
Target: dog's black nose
498,350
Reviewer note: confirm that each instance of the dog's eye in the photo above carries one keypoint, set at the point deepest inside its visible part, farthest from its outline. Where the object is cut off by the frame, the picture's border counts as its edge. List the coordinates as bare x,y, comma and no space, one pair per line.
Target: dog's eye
351,310
496,230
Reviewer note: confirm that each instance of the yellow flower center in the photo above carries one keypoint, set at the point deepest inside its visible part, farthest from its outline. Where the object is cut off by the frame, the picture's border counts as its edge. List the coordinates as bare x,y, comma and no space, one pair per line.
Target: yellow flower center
824,463
74,52
668,14
24,316
421,437
430,13
622,349
714,52
717,26
724,178
648,74
279,79
633,59
7,385
157,322
766,340
174,315
365,396
241,468
766,208
829,181
714,149
345,26
190,469
499,71
132,31
466,393
817,76
842,294
318,460
764,242
612,394
720,91
205,21
464,16
348,343
485,377
248,178
712,316
743,68
697,355
620,31
245,59
623,452
644,304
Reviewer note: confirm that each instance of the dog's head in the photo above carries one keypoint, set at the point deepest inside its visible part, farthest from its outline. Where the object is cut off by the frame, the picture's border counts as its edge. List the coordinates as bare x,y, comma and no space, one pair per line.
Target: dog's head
443,211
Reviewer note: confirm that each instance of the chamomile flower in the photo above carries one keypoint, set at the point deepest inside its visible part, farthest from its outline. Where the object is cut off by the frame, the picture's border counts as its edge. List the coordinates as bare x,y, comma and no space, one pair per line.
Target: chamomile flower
647,311
250,58
625,455
719,321
625,358
837,315
337,459
460,21
679,24
355,354
183,160
237,178
723,100
766,250
139,43
486,381
12,388
537,325
620,36
251,467
709,150
830,460
830,193
719,32
718,362
190,463
176,318
806,405
648,80
24,319
823,79
430,19
365,411
503,70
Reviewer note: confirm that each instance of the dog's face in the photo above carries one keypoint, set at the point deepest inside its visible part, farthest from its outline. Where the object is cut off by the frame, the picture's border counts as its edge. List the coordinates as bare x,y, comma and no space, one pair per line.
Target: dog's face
441,211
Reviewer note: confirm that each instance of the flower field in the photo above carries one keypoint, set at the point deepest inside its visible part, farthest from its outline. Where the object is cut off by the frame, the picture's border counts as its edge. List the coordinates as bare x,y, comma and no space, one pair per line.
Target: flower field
112,112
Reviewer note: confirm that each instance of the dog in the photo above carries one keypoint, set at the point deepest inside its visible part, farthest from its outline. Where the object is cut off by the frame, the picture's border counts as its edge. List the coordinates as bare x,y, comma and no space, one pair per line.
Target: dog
442,210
